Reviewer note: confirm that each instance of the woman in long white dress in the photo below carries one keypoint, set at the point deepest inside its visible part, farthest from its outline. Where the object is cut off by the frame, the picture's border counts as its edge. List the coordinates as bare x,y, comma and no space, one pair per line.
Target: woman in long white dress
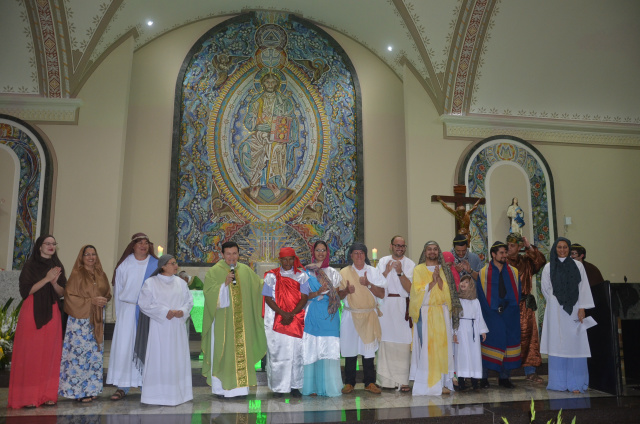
165,298
566,288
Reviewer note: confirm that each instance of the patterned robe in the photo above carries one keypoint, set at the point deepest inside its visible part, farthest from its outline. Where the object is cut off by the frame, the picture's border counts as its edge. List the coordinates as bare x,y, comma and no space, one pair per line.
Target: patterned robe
528,265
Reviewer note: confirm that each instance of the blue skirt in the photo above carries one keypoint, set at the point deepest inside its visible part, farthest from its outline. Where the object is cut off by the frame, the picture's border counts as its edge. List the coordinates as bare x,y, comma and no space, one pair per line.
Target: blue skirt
568,374
323,378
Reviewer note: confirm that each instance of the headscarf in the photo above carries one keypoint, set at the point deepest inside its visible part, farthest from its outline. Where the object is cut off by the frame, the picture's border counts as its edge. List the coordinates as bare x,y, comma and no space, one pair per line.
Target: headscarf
565,278
470,293
361,247
456,307
496,246
286,252
162,261
144,322
34,270
325,262
332,294
81,287
580,249
514,238
129,250
460,240
450,260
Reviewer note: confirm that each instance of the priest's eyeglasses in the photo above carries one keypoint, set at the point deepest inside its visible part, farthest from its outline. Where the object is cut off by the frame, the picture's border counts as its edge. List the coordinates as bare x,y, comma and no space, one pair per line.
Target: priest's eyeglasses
400,246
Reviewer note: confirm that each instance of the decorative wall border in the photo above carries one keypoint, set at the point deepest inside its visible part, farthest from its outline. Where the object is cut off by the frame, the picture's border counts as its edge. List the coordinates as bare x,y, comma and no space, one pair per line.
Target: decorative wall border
33,203
41,109
478,127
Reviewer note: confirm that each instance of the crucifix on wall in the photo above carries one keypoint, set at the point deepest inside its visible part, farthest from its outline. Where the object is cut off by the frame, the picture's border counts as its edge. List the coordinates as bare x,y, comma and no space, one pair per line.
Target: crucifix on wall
461,214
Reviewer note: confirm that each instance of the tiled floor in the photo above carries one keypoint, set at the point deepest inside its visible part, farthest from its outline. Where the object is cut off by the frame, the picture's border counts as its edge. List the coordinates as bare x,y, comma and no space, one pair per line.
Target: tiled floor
487,405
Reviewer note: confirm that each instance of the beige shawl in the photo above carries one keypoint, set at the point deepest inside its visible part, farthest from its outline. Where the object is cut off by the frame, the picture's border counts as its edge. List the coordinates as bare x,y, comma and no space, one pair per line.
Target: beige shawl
363,307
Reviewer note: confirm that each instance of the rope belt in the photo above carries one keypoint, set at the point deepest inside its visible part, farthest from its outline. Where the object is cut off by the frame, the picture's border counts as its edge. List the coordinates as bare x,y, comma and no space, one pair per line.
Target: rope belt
360,311
473,329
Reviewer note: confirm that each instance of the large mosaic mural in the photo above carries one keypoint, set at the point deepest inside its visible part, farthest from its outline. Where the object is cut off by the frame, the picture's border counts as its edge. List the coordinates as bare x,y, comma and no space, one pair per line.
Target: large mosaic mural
491,152
30,200
266,143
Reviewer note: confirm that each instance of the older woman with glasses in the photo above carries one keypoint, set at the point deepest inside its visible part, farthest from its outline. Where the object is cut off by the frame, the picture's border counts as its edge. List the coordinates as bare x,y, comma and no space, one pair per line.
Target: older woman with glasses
86,294
37,346
164,351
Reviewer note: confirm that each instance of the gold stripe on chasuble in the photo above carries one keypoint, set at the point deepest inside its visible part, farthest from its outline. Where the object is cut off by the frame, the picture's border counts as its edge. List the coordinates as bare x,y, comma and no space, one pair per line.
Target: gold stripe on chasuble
240,346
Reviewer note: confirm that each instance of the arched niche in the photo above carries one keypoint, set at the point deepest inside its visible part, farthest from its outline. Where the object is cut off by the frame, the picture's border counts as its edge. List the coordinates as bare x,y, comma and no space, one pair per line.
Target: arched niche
482,163
29,205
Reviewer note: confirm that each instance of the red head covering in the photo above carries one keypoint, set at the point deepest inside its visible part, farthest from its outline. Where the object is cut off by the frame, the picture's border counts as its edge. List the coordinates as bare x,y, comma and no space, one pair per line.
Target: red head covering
450,260
286,252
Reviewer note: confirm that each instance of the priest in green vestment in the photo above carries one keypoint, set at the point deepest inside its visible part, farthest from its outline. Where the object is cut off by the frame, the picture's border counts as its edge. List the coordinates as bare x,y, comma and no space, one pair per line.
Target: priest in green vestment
233,338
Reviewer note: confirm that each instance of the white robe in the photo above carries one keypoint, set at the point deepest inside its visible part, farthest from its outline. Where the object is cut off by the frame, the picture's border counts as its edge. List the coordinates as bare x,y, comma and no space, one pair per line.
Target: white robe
467,352
420,354
350,342
129,278
317,348
394,327
285,361
167,367
224,301
394,354
561,335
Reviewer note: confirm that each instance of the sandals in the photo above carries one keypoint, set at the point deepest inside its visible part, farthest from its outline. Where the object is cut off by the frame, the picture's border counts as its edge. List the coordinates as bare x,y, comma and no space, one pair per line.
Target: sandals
50,403
118,395
534,378
86,399
405,389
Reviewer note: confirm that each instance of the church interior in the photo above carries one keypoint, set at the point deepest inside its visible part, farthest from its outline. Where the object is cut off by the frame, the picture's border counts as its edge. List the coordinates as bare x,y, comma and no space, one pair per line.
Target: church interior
113,121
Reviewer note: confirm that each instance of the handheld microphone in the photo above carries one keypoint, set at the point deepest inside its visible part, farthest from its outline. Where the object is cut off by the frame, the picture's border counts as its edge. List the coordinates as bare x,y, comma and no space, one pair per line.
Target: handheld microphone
233,270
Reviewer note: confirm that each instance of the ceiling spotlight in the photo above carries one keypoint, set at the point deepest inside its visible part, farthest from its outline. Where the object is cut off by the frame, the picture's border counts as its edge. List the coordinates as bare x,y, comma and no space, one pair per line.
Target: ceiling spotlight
390,48
149,23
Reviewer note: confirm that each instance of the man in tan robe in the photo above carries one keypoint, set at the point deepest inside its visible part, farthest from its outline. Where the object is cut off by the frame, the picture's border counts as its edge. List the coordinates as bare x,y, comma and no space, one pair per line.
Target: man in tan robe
527,265
360,330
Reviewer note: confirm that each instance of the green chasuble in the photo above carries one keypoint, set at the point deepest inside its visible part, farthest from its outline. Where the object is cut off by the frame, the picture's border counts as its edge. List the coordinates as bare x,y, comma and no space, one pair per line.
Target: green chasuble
240,341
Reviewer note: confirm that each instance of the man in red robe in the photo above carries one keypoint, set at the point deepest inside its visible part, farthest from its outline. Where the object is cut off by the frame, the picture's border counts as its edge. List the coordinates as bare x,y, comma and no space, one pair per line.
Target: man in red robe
285,292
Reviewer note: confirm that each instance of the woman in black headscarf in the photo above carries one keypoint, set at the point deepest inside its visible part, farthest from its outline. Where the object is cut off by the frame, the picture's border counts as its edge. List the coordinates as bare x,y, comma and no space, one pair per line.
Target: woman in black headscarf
564,338
37,348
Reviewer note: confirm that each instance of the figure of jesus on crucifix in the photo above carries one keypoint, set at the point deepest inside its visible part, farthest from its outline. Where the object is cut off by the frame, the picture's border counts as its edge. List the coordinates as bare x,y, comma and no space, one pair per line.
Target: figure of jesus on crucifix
461,214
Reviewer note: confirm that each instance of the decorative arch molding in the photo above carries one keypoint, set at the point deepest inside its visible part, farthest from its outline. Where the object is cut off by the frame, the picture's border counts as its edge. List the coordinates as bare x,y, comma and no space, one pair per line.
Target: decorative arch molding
475,172
32,187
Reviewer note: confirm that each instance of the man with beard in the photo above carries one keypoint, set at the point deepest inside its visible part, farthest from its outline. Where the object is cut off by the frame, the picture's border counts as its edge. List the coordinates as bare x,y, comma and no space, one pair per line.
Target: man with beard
499,295
136,265
466,262
527,265
435,309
